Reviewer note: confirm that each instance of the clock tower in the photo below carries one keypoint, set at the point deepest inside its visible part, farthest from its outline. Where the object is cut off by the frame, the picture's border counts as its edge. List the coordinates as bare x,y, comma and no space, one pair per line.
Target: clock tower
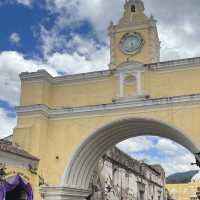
135,37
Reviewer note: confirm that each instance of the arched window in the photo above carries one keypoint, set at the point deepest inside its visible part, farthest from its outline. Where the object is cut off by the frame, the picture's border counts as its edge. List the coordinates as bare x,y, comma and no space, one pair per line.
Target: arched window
133,8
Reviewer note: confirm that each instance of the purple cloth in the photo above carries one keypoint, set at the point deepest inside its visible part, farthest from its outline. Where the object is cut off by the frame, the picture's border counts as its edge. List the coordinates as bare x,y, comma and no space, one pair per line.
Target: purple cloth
18,181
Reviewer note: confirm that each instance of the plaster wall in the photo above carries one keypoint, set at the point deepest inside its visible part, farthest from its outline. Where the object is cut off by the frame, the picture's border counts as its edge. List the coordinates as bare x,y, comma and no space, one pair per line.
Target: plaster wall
156,83
183,191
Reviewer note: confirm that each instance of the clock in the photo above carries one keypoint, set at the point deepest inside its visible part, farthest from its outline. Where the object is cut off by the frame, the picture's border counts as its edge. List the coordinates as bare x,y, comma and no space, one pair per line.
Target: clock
131,43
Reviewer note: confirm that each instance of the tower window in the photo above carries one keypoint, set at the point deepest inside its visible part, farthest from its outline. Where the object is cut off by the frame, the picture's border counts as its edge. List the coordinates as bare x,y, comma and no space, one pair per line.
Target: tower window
132,8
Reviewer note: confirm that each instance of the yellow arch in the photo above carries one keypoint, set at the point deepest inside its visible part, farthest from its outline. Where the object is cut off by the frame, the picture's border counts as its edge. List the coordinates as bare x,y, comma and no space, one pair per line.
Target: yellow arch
78,172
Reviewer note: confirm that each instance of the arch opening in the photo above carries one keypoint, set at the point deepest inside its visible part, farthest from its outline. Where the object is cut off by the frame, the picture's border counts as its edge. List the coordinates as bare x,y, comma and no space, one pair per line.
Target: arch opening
18,189
17,193
153,150
79,171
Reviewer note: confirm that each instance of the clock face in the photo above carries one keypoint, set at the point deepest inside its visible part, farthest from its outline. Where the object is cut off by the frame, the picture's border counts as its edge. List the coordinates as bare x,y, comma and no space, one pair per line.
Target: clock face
131,43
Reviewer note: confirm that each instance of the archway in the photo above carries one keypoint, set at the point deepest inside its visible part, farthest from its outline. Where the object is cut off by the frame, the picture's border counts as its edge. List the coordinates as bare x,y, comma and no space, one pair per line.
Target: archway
17,193
77,176
18,189
83,162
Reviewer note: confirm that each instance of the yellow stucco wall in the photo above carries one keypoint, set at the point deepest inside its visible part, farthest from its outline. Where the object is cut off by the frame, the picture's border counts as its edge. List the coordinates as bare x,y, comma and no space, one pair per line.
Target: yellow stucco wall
183,191
102,91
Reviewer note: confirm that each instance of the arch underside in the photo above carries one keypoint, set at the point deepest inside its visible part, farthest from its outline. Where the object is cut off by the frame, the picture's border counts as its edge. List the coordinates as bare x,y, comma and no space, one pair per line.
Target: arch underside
79,171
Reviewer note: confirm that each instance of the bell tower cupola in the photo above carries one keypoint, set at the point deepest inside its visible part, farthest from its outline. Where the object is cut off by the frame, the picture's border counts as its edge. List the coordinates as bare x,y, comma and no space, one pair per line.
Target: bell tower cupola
134,37
133,8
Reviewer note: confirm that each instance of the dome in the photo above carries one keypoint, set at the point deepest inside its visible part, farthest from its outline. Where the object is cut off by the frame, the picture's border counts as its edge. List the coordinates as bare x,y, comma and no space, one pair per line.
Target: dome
196,177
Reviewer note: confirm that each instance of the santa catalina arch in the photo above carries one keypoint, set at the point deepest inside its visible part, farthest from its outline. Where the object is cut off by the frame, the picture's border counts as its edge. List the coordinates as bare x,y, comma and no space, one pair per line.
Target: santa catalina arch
80,135
68,122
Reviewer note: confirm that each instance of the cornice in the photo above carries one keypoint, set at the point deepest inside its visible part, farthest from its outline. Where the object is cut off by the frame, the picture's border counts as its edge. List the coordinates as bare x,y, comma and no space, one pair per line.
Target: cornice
44,75
131,27
16,160
129,66
63,192
173,65
140,104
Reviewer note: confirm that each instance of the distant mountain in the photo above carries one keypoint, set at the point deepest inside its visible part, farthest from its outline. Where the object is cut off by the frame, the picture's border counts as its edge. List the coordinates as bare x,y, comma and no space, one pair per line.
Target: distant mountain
183,177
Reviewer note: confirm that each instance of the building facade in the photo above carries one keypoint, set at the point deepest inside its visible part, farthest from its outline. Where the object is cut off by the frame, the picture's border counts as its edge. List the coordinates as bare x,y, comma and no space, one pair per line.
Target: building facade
66,124
118,176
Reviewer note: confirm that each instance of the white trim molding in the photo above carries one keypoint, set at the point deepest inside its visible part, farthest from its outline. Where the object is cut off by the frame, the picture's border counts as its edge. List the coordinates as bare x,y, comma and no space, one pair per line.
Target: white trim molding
167,65
44,75
63,193
118,104
137,80
174,64
18,161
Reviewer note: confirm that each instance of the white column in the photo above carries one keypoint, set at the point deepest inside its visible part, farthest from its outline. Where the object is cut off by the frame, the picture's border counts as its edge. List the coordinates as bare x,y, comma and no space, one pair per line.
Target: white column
139,83
121,86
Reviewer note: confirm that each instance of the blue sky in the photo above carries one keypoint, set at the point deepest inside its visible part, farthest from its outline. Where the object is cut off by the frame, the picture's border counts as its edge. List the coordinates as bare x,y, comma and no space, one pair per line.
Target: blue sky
70,36
23,20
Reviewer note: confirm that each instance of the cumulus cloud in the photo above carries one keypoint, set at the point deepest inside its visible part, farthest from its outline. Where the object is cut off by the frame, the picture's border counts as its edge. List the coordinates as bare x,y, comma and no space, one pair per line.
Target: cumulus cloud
177,21
93,11
134,145
6,124
71,14
11,65
168,147
15,38
78,62
178,27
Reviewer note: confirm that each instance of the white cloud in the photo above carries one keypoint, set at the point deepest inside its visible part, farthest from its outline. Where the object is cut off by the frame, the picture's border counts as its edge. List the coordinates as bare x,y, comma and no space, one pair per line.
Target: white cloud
70,15
87,56
15,38
168,147
11,65
25,2
51,41
75,63
6,124
94,11
172,156
83,46
180,163
135,145
178,33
